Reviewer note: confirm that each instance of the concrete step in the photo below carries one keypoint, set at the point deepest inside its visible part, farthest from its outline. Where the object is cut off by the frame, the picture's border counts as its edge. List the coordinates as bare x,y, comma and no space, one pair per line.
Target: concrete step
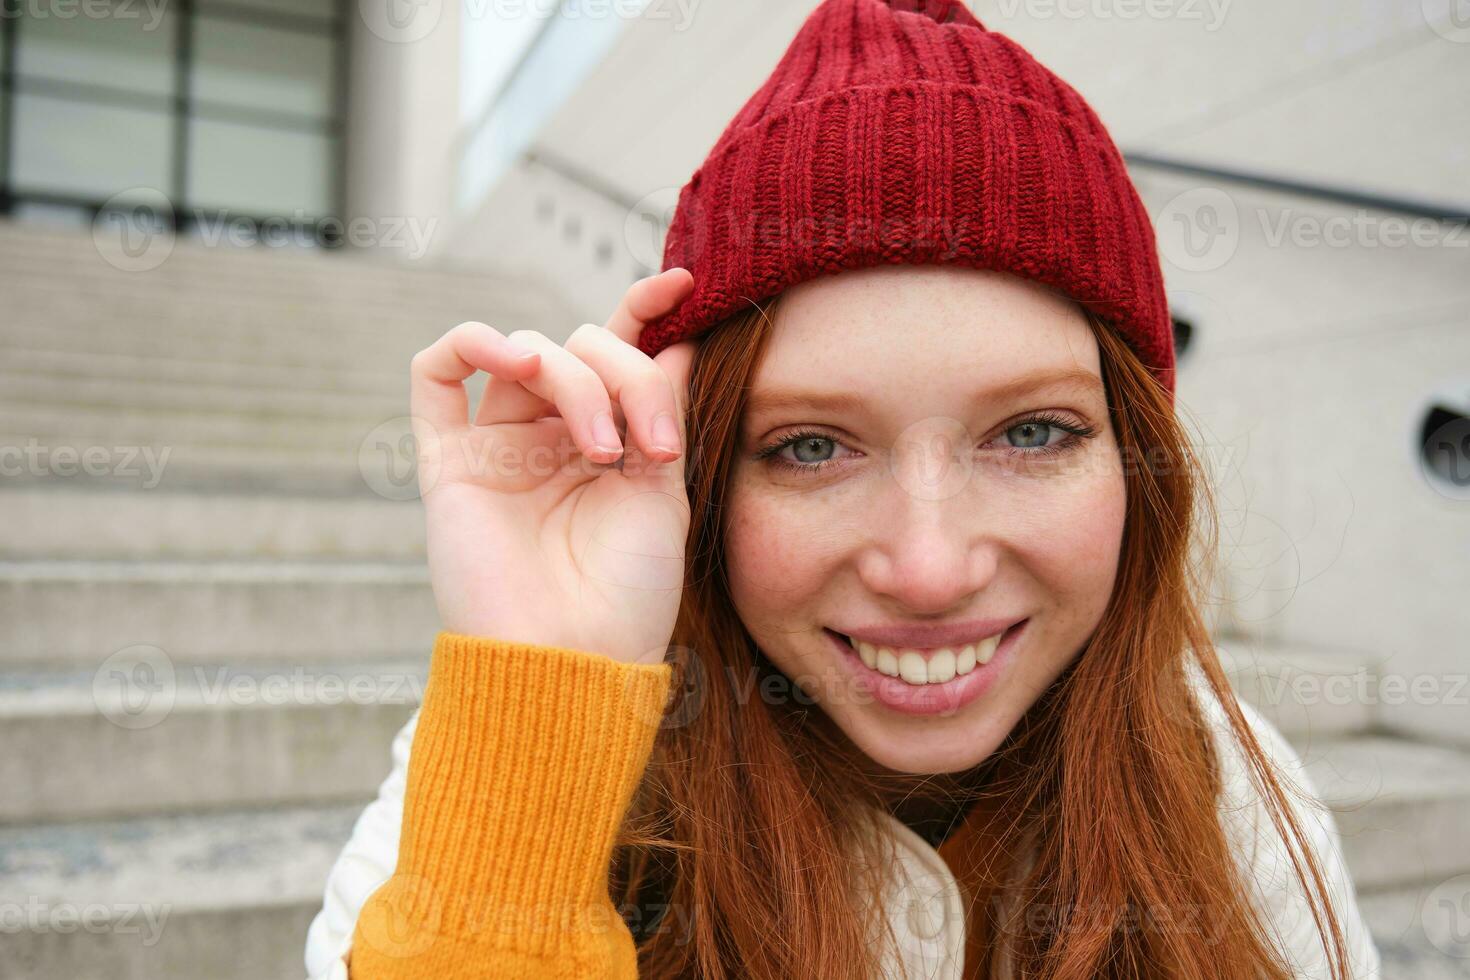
340,378
48,522
181,315
57,255
306,351
1306,694
55,614
64,393
49,244
146,735
212,426
1401,806
227,896
178,320
194,469
1422,932
303,348
207,469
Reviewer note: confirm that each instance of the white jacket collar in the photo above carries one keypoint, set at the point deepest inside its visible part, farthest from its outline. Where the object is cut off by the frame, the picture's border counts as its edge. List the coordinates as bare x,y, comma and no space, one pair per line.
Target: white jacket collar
922,901
925,909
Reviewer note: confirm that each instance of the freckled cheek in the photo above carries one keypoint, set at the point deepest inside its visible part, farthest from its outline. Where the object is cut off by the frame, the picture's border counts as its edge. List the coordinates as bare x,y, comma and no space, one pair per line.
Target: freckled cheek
1075,533
780,554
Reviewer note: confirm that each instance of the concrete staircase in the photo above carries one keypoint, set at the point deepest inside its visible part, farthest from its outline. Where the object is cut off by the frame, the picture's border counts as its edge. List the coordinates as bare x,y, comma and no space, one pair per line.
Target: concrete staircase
210,633
1401,805
203,659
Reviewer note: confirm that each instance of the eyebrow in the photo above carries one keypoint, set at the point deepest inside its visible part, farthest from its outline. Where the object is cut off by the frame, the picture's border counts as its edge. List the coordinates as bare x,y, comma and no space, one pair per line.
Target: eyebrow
1045,379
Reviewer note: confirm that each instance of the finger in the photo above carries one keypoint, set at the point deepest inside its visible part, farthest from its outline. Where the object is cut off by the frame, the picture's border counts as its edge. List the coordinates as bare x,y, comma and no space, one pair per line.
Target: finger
437,373
648,299
516,402
577,392
504,400
637,384
677,363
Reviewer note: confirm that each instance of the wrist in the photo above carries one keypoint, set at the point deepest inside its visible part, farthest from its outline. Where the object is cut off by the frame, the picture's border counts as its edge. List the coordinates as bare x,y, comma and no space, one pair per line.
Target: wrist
524,763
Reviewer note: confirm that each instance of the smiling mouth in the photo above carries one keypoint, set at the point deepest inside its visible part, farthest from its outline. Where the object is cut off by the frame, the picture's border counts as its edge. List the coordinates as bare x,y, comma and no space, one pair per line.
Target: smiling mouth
921,667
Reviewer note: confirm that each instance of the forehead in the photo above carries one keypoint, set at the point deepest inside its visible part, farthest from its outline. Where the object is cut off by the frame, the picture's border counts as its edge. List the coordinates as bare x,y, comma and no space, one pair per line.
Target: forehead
935,324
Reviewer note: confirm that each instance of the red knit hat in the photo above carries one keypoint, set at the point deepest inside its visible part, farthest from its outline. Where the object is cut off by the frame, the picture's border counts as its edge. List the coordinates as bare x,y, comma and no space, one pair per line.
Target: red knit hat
903,131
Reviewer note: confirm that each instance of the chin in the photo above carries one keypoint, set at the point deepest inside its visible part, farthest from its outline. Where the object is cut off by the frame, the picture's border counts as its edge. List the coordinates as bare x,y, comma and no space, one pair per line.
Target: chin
923,750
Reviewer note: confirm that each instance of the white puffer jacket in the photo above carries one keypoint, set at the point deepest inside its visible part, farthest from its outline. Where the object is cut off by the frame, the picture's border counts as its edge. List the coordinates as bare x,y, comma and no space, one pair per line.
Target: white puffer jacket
923,901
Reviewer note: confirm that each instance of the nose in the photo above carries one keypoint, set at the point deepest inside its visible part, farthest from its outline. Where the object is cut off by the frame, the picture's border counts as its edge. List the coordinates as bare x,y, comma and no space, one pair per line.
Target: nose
929,557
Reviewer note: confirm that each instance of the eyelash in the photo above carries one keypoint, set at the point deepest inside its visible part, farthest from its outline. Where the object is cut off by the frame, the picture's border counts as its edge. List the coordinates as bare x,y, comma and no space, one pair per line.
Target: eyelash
1075,434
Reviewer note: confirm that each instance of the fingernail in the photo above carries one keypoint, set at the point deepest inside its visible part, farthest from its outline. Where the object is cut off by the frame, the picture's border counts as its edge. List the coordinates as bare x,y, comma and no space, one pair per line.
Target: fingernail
605,433
665,432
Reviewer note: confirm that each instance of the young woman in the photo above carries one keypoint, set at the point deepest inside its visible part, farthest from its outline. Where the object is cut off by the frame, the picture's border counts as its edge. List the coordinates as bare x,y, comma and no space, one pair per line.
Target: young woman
832,610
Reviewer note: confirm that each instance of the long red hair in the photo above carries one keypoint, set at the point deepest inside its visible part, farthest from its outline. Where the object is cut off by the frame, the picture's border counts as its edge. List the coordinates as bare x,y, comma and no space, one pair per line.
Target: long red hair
1098,812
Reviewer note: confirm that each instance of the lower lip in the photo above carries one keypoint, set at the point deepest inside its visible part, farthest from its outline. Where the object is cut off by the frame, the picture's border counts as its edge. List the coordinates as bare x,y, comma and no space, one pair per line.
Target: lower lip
928,699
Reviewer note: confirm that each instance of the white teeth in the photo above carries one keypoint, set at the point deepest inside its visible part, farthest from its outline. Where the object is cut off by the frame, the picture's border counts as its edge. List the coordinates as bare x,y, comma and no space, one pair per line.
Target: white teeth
887,662
911,665
966,661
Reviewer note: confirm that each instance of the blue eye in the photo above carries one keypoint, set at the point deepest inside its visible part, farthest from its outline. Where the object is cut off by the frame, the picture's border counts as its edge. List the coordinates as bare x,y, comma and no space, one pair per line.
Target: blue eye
1030,431
812,450
1034,437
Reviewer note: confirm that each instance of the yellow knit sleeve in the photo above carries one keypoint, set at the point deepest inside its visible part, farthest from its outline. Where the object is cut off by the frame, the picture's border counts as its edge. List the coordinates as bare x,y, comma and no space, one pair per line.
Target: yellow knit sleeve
523,766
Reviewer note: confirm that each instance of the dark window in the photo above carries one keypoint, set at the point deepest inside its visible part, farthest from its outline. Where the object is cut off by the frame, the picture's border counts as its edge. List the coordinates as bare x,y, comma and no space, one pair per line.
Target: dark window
231,110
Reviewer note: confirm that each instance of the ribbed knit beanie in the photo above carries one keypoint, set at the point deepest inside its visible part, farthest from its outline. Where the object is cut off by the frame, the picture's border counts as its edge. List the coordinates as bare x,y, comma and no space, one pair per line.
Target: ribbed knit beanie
904,131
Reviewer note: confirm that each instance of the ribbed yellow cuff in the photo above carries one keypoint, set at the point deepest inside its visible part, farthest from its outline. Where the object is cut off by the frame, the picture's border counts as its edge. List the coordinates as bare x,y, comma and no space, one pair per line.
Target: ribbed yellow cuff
523,765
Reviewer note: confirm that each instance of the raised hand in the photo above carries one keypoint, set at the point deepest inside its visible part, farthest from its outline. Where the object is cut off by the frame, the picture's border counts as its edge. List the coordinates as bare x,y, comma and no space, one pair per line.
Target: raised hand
543,526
